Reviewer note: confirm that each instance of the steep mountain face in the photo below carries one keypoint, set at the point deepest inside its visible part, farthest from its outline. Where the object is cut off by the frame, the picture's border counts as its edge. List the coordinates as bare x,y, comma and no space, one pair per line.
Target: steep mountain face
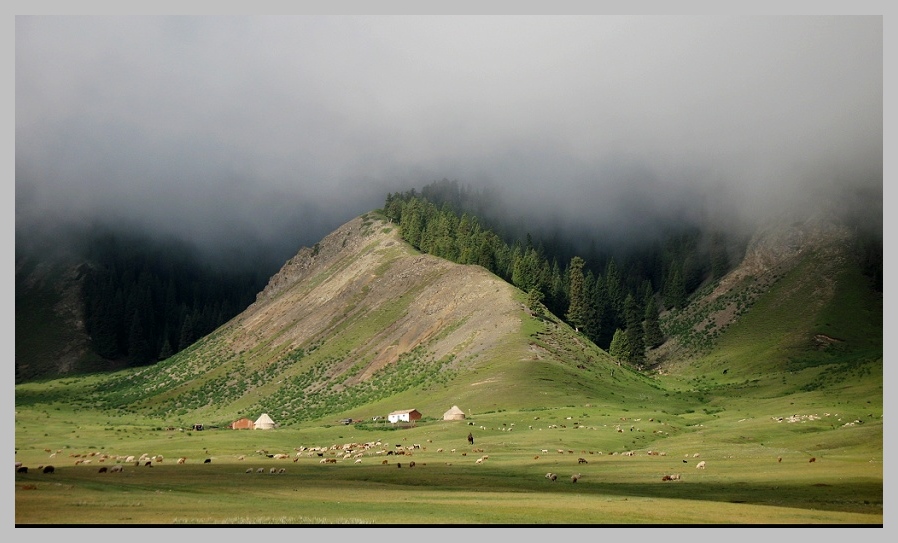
362,277
358,318
50,333
793,272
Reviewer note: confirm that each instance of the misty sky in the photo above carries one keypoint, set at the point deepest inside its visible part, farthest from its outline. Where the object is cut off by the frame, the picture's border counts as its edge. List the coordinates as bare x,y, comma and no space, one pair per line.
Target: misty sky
286,127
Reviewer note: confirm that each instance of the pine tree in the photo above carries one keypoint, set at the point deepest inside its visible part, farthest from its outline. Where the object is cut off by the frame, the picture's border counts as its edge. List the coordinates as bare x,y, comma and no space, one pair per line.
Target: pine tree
620,346
576,314
534,302
188,333
674,289
614,294
654,337
592,322
411,223
557,292
166,351
634,331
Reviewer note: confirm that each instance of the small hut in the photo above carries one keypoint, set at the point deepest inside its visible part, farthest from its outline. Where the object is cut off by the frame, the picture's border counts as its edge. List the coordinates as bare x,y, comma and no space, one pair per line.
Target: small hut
405,415
454,414
264,422
243,424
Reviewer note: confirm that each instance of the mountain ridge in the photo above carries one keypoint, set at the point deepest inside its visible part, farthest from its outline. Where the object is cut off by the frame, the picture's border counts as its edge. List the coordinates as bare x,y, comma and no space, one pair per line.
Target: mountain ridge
360,318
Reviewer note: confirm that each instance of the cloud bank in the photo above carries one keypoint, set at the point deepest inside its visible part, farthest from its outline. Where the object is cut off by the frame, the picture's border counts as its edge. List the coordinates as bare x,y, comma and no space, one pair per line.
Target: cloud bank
278,129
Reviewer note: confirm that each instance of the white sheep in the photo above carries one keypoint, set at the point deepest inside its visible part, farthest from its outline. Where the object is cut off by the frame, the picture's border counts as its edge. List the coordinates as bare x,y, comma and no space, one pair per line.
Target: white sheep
700,465
575,477
551,476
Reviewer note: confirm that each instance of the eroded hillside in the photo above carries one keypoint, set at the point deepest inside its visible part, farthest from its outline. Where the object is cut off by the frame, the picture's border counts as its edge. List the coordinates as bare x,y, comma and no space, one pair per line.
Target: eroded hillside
363,277
361,317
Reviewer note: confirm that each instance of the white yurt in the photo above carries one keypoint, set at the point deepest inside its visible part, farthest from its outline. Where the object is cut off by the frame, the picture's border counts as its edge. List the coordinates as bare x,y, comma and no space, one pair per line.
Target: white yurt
454,414
264,422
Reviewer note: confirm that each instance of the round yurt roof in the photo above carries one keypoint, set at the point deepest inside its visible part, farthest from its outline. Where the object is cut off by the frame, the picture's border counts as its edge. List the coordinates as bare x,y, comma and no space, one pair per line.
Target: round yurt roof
264,421
454,413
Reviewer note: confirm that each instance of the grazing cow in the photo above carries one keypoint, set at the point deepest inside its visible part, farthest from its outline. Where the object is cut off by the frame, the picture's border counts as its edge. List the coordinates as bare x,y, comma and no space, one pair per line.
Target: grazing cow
49,469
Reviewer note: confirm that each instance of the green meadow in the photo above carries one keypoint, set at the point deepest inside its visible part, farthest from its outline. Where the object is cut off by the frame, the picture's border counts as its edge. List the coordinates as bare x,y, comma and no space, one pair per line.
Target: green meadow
758,468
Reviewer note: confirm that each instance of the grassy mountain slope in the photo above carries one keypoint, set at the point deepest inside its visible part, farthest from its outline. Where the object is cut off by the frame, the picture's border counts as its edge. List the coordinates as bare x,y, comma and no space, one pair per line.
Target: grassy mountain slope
795,332
360,325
